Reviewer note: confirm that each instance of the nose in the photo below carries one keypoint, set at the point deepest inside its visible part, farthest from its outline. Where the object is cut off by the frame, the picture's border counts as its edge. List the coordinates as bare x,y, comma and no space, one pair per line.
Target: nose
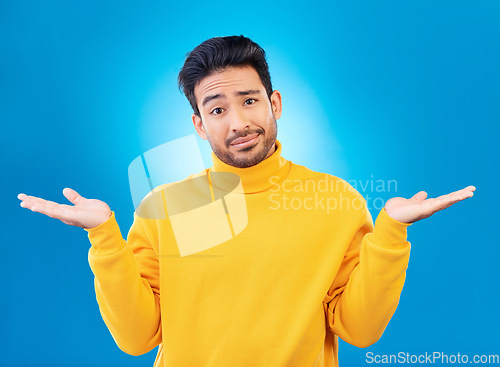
239,120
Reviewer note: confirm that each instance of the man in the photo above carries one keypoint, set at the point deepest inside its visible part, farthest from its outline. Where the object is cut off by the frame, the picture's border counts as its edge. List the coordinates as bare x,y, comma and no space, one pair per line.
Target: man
285,285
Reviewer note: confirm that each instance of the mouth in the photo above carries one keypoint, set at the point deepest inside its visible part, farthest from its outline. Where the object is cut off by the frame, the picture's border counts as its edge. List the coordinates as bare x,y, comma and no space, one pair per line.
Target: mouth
245,141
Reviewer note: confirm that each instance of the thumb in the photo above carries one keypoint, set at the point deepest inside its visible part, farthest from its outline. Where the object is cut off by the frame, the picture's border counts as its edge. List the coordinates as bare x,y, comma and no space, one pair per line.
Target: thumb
73,196
421,195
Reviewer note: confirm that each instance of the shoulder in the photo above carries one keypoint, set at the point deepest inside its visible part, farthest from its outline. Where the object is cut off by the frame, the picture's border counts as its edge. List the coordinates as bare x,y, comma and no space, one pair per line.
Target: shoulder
323,182
190,181
153,204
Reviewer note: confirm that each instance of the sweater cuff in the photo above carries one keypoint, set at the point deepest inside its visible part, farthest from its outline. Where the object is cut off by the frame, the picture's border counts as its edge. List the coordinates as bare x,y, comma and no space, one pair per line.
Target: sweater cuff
106,238
388,232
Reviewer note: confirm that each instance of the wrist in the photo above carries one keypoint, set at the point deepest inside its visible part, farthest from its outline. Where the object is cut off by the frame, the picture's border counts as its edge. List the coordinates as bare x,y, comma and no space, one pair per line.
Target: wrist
388,232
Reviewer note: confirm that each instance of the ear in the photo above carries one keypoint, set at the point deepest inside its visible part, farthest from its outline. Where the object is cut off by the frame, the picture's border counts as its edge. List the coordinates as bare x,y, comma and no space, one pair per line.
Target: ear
198,125
276,104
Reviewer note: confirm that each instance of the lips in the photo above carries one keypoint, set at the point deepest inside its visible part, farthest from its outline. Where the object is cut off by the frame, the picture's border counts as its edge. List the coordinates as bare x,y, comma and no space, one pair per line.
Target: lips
244,139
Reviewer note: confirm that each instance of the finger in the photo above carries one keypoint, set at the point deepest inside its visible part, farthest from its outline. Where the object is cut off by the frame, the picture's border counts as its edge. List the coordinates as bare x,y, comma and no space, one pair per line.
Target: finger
421,195
26,197
73,196
29,201
457,195
465,193
62,212
470,188
445,201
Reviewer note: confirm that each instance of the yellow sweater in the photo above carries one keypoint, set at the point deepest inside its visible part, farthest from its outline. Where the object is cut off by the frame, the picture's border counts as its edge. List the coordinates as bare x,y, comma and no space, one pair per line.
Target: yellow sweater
303,264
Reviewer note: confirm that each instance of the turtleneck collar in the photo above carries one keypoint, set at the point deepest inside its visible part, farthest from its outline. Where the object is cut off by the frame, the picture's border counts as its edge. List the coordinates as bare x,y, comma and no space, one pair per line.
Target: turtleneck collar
257,178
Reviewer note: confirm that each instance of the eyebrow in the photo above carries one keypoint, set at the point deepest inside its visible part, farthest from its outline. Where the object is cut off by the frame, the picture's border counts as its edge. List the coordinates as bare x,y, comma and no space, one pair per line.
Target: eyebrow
238,93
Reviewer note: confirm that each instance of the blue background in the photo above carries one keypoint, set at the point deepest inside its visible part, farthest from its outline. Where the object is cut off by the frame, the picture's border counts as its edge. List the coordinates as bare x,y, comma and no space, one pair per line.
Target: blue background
372,90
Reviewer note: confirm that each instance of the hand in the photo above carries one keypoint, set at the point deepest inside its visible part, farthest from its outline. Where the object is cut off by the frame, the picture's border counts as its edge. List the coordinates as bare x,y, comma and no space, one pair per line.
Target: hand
86,213
418,207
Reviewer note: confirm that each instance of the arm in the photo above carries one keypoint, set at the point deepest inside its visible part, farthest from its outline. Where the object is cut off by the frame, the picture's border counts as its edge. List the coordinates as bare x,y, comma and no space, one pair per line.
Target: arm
366,290
126,272
127,285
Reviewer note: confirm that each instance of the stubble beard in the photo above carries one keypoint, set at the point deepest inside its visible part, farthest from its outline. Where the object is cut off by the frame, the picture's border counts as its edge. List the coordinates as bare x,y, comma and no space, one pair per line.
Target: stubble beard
252,159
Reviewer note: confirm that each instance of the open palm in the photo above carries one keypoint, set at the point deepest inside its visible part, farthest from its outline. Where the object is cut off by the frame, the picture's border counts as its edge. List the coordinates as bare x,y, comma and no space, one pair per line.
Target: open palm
85,213
419,207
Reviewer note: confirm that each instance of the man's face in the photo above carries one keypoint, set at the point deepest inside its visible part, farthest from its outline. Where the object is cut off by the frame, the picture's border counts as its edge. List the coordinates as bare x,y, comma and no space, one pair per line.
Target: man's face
237,117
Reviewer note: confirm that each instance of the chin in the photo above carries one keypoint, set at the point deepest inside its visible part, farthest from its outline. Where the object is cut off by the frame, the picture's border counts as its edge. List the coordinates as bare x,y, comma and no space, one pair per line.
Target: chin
249,157
245,157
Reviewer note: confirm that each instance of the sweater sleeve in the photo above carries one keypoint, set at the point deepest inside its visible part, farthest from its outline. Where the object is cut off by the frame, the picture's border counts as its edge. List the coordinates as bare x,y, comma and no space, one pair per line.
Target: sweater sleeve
126,280
366,290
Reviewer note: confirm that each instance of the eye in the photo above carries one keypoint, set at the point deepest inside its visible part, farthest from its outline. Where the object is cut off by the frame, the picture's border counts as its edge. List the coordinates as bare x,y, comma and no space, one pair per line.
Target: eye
250,101
216,111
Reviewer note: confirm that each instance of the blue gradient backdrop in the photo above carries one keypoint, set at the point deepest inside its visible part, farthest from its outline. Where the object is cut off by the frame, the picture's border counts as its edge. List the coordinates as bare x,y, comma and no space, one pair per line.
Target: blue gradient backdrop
372,90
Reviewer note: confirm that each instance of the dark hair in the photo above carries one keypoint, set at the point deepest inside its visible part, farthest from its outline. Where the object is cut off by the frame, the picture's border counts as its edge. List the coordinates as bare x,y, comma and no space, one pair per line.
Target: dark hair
216,54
